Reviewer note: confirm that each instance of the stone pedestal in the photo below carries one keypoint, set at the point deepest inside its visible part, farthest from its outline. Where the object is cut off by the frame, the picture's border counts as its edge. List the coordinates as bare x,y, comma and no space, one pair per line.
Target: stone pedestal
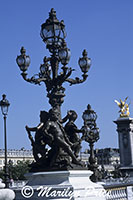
125,136
61,185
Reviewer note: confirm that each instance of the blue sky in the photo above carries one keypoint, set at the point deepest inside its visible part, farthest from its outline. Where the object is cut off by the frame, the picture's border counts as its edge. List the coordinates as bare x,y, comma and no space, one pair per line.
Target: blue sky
104,28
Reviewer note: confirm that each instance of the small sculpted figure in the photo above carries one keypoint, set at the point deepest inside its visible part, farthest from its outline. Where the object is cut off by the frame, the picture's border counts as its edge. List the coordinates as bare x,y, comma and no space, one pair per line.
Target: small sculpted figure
73,132
60,140
41,139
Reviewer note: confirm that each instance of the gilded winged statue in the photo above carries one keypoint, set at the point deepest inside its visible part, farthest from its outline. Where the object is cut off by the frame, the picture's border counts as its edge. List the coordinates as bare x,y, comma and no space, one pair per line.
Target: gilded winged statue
124,107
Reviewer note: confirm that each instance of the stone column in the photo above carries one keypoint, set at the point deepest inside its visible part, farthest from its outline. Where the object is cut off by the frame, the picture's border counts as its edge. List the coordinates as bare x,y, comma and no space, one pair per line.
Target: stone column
125,136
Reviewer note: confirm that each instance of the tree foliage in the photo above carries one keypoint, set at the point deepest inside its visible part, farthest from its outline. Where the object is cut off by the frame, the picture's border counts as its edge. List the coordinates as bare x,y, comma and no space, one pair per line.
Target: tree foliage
17,172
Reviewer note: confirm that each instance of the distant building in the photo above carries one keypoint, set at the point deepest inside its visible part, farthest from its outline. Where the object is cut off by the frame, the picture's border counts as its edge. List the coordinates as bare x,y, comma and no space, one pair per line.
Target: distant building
107,158
15,156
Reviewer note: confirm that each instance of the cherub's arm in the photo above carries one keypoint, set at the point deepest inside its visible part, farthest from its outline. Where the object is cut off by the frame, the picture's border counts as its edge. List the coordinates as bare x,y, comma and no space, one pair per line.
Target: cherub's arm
40,125
64,119
46,133
75,128
34,128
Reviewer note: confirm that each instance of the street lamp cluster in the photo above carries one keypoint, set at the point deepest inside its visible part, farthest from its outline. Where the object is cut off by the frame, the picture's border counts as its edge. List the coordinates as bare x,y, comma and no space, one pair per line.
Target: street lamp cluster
53,35
4,104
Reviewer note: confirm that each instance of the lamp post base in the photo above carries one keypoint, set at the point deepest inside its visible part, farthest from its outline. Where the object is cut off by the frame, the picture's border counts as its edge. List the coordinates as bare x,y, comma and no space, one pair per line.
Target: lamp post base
61,185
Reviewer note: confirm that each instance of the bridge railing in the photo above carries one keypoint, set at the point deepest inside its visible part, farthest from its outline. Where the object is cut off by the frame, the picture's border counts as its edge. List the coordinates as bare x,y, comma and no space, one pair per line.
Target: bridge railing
121,191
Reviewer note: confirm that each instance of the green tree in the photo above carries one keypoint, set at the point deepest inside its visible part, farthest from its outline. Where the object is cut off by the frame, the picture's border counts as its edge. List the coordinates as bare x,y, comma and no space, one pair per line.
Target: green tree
16,172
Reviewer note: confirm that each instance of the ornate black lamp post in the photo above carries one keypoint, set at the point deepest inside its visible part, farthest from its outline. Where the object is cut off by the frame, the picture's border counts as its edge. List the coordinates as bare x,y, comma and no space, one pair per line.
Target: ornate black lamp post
53,76
91,135
4,104
53,34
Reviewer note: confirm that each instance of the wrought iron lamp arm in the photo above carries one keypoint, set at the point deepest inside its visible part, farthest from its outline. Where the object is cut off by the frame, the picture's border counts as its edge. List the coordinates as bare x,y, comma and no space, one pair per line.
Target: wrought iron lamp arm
32,79
84,63
77,80
65,74
23,62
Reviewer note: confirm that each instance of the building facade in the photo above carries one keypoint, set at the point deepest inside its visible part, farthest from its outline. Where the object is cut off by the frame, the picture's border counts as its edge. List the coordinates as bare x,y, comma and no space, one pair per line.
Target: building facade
108,157
15,156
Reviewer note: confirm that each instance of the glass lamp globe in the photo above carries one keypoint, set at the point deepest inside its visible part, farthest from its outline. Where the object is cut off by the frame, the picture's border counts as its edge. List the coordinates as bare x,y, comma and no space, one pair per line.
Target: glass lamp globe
84,62
4,104
53,31
89,115
64,54
23,61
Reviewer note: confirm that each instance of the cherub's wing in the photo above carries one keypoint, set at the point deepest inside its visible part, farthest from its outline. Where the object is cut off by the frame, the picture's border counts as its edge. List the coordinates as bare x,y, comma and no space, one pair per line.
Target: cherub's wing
118,103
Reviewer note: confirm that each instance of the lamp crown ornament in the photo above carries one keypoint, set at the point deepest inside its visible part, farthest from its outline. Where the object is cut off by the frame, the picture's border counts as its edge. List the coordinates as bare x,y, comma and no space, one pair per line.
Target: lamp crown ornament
52,14
23,51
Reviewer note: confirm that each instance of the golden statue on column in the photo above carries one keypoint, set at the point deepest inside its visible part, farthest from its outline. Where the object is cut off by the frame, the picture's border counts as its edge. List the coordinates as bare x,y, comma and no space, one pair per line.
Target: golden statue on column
124,107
